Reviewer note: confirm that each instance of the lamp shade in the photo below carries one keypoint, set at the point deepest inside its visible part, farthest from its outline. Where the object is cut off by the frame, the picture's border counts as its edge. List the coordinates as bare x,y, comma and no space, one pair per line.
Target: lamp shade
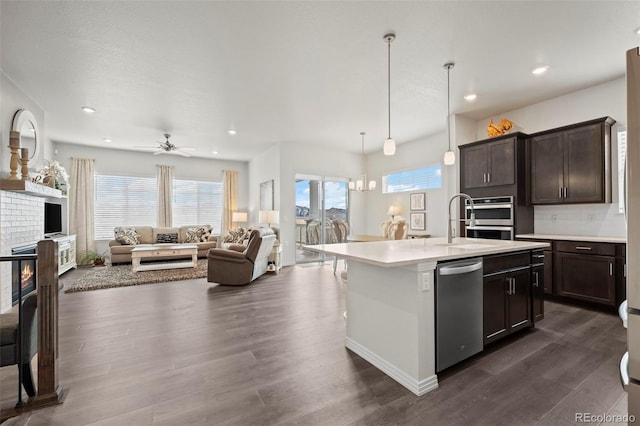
449,158
239,217
269,216
389,147
393,210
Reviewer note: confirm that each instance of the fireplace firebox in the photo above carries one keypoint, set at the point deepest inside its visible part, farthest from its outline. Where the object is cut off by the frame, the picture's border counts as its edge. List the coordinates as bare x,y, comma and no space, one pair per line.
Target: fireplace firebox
23,273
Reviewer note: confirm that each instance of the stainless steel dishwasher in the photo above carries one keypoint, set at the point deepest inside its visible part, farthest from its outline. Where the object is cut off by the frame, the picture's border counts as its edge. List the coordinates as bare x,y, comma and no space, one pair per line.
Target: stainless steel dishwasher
458,311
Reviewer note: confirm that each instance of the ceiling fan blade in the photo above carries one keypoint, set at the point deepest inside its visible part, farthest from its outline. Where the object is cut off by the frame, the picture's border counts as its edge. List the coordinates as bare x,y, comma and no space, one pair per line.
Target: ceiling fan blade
180,152
187,148
160,151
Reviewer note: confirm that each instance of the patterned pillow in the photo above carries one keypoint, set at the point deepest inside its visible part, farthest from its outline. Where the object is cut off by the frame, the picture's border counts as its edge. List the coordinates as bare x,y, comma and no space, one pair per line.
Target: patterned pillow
205,237
167,238
127,236
194,235
234,235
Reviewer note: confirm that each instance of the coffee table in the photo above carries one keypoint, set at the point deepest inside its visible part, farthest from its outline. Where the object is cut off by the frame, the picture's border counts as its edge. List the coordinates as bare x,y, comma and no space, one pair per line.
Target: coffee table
154,251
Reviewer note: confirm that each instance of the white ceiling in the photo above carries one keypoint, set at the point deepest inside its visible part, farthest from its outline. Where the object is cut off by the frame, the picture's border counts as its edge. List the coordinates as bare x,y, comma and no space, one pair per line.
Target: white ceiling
309,72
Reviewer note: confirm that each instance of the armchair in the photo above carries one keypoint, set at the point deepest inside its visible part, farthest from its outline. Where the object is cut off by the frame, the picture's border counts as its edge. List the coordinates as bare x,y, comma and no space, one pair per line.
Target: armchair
234,267
9,340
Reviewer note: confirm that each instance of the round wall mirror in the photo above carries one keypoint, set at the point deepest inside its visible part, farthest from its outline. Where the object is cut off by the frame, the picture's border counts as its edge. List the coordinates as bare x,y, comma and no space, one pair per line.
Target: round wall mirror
25,122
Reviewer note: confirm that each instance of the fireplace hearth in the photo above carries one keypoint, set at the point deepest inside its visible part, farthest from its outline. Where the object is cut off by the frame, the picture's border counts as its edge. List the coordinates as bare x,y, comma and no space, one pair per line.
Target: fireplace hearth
23,273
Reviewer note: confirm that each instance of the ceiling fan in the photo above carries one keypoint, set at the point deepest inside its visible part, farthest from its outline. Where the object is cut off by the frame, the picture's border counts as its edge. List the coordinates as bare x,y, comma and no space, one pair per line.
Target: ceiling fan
167,147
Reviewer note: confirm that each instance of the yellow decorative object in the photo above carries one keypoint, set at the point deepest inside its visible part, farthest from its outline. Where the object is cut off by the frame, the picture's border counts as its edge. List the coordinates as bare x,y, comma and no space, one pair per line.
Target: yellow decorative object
499,129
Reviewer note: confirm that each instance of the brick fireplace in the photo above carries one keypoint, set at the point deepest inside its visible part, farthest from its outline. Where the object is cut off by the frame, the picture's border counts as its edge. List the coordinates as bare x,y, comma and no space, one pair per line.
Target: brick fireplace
21,223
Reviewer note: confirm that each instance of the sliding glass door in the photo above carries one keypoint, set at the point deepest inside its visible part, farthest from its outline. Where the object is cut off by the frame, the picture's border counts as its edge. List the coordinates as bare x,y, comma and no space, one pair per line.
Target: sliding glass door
320,201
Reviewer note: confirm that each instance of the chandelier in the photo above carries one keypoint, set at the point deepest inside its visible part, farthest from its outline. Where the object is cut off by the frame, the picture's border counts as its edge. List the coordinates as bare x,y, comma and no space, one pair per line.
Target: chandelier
361,184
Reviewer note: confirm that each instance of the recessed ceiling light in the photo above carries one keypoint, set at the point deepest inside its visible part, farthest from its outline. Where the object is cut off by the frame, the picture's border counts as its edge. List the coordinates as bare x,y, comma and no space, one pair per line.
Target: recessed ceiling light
637,31
214,152
540,70
231,132
88,109
470,97
107,140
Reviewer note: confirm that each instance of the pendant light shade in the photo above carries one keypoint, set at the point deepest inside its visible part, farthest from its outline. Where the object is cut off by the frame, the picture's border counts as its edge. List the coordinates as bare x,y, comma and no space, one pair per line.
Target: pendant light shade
449,156
361,184
389,147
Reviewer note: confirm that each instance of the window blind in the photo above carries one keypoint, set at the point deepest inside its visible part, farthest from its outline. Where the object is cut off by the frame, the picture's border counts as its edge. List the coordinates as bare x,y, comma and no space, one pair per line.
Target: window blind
425,178
197,203
123,201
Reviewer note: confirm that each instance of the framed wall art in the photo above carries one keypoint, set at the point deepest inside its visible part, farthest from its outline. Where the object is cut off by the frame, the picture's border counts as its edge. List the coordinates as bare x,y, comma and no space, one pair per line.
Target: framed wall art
418,221
417,201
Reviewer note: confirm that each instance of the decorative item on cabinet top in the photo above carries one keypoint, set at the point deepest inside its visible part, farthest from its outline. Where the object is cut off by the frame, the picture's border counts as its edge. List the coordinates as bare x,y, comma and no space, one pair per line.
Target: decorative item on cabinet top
503,126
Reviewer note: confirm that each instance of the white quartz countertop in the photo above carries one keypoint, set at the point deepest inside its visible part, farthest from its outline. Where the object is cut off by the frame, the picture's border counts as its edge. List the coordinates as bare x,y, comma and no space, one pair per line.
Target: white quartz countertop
407,252
561,237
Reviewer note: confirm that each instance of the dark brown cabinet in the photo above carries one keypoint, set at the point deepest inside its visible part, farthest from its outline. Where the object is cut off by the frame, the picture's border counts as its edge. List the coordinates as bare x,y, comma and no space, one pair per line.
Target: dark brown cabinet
571,164
489,163
537,285
586,277
507,295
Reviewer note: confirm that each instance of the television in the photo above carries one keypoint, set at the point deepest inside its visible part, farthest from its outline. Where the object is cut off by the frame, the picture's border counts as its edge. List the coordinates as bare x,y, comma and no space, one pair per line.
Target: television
52,218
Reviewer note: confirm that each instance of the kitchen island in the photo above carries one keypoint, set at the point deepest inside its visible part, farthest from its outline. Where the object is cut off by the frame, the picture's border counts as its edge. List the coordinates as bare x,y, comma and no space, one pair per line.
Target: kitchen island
391,300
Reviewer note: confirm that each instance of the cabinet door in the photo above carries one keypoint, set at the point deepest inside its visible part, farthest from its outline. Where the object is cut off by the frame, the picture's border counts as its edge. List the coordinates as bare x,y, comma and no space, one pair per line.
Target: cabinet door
547,167
584,165
502,162
585,277
474,161
520,300
495,307
537,292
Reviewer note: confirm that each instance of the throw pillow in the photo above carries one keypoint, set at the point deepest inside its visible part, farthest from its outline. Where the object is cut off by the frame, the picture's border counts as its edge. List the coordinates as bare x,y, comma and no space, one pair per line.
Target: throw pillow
167,238
194,235
205,236
127,236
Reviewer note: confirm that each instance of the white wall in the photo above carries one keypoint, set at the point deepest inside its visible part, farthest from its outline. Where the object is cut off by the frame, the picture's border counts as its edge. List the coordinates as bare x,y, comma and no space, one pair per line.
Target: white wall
412,155
13,99
264,167
607,99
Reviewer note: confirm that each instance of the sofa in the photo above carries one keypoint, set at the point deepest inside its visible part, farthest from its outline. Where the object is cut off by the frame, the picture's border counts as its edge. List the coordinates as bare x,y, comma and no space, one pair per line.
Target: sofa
239,264
127,238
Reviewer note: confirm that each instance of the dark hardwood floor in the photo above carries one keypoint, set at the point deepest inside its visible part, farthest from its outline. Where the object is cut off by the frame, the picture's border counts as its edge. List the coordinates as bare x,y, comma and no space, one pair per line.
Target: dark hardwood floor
273,352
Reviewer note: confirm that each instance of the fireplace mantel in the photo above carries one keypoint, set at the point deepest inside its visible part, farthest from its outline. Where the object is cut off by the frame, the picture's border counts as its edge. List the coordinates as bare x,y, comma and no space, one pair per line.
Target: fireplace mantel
31,188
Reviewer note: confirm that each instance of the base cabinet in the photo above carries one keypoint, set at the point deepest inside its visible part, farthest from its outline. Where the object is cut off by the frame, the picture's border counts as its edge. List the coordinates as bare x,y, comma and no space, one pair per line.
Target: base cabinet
537,292
66,253
586,277
507,295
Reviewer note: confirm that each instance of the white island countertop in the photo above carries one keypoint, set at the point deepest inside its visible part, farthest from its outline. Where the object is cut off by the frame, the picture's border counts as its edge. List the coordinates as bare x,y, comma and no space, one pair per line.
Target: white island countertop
392,253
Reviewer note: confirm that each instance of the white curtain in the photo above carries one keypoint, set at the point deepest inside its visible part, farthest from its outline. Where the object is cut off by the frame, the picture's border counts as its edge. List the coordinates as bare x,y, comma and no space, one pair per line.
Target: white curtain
230,195
81,196
165,195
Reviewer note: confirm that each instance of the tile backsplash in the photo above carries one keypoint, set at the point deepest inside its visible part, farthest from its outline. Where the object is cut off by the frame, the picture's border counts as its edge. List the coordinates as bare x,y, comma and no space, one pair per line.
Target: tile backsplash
598,220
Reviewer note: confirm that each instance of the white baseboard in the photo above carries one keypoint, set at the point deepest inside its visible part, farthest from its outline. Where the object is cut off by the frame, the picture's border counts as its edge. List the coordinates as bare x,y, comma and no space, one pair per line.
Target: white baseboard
418,387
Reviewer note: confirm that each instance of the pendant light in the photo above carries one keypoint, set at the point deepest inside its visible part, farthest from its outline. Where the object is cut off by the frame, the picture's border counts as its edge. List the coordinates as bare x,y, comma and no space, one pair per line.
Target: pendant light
389,147
449,156
361,184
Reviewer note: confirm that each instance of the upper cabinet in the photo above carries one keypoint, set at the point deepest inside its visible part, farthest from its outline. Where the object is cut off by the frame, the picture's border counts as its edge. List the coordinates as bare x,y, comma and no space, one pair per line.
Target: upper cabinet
492,163
571,164
489,164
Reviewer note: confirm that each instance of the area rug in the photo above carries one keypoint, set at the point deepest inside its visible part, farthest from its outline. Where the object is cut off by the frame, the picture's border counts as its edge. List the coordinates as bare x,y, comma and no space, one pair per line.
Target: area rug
121,276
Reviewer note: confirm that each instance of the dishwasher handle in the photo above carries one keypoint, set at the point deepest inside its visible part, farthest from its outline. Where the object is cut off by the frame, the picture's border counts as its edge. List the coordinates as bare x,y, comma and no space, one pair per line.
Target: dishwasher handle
456,270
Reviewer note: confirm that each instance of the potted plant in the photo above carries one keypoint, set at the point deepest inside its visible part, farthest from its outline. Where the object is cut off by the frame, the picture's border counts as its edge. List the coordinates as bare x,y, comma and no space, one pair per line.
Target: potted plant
93,258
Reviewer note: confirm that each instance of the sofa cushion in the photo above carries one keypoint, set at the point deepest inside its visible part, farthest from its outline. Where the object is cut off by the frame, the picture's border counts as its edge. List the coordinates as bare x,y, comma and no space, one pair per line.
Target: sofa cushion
127,236
167,238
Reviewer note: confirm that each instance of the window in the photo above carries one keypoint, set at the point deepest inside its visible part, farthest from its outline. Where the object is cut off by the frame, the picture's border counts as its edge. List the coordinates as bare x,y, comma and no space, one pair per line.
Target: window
123,201
197,203
412,180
